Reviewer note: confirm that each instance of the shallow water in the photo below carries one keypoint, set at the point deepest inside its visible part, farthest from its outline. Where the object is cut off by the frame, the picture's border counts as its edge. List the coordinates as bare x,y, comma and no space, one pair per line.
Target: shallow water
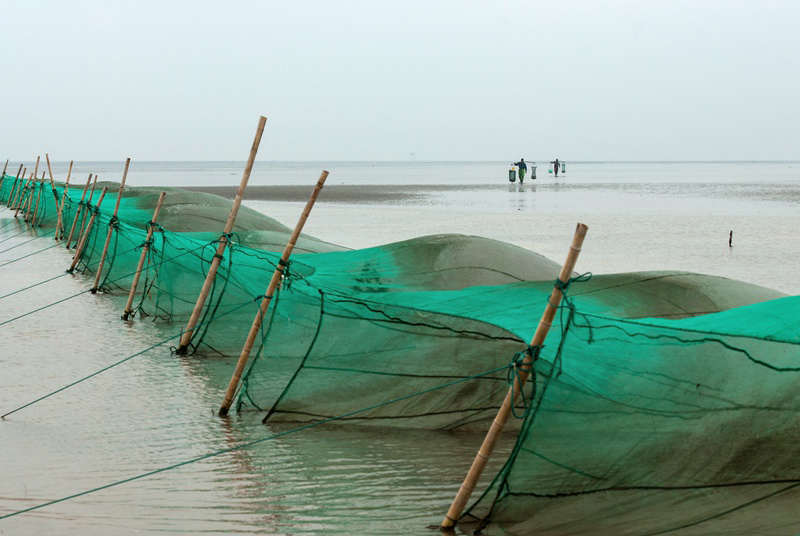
157,409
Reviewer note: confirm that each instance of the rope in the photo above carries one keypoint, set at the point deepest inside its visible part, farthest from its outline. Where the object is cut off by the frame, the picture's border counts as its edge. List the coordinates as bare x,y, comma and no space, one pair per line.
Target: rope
247,445
29,255
76,382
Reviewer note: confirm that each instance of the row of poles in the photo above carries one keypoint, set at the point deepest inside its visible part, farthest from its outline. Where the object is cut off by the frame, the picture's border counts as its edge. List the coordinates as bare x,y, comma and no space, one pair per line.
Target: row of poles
23,200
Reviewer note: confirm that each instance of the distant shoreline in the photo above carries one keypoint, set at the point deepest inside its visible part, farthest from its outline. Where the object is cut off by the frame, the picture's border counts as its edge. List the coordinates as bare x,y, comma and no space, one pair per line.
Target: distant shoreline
341,193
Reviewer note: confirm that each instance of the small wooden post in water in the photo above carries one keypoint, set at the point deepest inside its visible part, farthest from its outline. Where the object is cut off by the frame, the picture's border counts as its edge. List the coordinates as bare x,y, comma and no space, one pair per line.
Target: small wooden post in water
500,420
60,221
38,199
78,210
5,168
126,314
111,228
277,276
85,237
186,338
85,212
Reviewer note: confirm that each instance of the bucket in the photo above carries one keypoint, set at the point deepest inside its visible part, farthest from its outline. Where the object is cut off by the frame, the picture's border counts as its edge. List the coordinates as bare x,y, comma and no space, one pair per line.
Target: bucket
563,167
533,172
512,175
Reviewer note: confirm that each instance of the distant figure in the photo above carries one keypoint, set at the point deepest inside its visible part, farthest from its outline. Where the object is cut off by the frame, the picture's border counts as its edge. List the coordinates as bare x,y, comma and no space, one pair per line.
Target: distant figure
522,169
556,165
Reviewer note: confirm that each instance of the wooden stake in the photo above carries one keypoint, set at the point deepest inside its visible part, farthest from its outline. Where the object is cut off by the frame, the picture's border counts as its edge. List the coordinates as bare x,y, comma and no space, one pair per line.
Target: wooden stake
20,189
111,228
277,276
30,199
500,420
78,210
14,187
60,221
5,168
223,242
35,178
85,237
23,197
85,212
145,248
38,199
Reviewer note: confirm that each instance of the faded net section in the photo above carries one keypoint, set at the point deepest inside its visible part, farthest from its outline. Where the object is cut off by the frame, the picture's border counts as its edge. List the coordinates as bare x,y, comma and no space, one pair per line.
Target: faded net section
653,426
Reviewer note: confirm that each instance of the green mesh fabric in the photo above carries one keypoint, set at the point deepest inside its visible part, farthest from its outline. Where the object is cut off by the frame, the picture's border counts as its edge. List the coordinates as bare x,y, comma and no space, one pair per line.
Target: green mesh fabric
660,399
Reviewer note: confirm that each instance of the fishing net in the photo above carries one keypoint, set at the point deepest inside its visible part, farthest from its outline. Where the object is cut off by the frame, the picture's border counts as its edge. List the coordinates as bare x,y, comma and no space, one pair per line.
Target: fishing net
660,399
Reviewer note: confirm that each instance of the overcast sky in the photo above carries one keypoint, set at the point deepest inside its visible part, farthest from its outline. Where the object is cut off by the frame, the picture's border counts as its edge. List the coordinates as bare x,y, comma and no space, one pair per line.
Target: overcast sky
373,80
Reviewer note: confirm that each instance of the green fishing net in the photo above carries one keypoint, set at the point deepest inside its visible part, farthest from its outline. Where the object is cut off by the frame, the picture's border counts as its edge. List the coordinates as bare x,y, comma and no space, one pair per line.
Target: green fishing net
661,400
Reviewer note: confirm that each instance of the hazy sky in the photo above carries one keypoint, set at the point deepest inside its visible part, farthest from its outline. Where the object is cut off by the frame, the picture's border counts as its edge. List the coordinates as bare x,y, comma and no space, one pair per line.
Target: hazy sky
380,80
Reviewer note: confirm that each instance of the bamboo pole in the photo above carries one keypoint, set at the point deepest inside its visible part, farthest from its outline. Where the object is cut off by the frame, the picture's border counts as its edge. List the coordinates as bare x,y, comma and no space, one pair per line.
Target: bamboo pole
20,192
35,178
38,199
3,175
24,194
52,182
85,237
60,221
111,228
30,199
78,210
186,338
85,212
145,248
20,189
500,420
14,186
277,276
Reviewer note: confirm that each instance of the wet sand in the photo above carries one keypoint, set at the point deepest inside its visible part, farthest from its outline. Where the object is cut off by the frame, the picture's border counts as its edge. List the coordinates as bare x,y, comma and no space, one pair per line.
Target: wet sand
346,193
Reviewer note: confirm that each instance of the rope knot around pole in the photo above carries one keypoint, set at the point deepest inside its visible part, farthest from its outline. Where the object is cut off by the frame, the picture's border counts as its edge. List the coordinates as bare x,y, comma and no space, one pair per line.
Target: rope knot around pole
114,222
518,364
263,296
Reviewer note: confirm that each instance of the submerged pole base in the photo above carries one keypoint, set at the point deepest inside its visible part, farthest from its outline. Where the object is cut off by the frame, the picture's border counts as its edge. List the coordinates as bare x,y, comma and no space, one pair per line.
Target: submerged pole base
223,412
181,350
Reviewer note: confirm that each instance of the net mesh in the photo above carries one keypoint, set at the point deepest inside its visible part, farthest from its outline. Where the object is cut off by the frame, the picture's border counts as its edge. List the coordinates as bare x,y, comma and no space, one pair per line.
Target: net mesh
661,400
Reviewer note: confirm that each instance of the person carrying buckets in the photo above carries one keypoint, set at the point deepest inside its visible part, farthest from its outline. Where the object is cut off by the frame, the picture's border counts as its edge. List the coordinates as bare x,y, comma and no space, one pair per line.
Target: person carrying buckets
521,169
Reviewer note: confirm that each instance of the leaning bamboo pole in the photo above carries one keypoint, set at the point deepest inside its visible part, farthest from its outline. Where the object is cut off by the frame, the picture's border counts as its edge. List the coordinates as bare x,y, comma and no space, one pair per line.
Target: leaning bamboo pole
500,420
126,314
111,227
277,276
60,221
52,182
20,193
14,186
24,194
38,199
186,338
85,237
30,197
85,212
78,210
20,189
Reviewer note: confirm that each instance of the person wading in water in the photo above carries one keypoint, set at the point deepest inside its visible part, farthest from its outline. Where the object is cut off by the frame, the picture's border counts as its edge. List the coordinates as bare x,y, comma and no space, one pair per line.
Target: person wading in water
522,169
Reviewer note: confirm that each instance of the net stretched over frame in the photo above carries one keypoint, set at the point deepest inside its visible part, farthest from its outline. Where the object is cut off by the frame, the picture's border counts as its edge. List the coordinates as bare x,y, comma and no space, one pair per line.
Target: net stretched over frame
662,400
